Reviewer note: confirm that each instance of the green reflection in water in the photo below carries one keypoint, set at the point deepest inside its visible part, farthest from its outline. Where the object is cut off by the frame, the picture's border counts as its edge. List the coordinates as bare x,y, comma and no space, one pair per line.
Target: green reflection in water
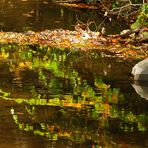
72,108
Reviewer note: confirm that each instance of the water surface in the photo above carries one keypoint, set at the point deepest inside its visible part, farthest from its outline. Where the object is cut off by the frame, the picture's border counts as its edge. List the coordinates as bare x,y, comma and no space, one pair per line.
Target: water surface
57,98
60,98
39,15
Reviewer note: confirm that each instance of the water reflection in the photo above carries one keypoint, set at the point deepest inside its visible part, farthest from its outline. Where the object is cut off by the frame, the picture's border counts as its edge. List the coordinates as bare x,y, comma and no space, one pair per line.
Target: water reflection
40,15
67,99
141,87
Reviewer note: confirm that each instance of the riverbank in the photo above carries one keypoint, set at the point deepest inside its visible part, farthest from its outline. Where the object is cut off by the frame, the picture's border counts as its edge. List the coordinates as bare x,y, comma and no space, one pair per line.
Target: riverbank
108,45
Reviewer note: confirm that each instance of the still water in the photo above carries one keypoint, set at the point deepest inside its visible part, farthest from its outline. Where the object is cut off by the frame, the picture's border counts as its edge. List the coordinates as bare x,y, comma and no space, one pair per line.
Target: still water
56,98
39,15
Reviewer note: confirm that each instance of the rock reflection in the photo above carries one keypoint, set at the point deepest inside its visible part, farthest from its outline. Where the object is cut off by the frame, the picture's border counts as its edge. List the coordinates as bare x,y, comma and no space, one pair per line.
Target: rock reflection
141,87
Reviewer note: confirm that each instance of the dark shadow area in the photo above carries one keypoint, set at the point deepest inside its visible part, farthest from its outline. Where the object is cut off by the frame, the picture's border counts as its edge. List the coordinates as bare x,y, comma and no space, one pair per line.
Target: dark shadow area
40,15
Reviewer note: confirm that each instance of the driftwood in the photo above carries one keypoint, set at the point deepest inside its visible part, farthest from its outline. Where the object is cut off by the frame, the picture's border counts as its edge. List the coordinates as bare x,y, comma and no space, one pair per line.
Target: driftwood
137,34
129,32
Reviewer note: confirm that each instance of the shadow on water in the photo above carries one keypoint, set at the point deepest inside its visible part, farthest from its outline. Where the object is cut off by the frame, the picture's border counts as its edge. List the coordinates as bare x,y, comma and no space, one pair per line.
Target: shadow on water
53,98
40,15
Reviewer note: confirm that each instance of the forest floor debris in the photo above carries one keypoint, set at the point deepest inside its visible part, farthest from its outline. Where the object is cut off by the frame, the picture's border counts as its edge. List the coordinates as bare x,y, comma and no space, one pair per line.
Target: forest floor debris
113,45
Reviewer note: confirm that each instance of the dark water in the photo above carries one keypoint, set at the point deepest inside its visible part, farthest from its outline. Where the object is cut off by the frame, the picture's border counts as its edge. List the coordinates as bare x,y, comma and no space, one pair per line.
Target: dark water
51,98
39,15
61,99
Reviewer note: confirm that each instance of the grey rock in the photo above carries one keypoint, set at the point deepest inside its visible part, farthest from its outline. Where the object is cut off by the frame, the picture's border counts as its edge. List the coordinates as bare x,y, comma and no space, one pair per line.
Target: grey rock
140,71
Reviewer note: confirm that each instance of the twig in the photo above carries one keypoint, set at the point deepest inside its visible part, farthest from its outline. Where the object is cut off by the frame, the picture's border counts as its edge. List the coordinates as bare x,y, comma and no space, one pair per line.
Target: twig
125,6
104,5
78,20
101,24
87,24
